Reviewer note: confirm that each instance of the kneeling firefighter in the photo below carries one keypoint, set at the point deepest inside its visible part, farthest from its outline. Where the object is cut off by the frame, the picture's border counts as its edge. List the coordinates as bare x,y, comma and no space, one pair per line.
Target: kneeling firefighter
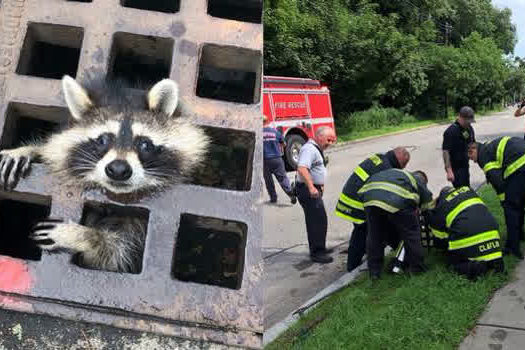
463,225
392,199
350,208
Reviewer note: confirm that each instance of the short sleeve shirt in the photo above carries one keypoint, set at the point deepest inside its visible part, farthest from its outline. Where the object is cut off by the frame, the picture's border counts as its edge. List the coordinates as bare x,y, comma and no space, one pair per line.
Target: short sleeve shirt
311,158
456,140
271,140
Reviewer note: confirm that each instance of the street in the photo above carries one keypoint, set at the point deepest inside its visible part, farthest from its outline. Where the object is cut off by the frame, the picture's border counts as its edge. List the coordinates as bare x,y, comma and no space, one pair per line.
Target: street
290,278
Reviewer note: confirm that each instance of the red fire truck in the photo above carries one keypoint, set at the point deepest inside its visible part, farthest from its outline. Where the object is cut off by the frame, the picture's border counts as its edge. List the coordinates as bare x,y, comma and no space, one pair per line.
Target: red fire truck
296,107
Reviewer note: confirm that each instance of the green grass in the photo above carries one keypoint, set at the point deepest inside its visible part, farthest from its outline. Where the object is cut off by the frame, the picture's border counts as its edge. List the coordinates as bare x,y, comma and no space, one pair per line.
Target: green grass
434,310
382,121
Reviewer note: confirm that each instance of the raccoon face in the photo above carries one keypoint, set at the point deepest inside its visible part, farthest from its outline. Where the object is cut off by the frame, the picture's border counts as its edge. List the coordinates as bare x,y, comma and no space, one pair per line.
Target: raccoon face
124,149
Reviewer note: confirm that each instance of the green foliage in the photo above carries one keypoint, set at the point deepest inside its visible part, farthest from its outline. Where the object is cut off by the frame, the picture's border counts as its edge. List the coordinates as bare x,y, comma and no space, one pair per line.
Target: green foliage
417,56
434,310
373,118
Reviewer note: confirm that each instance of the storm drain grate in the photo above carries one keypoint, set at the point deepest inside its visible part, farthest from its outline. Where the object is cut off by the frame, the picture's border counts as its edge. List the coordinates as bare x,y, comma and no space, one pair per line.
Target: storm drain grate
201,271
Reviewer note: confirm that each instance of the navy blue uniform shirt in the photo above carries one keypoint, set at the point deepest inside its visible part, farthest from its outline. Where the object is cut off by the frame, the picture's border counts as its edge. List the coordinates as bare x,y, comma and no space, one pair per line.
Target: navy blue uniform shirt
271,140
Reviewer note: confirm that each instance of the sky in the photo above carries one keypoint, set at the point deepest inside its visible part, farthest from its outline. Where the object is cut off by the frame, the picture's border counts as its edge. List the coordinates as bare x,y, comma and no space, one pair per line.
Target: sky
518,18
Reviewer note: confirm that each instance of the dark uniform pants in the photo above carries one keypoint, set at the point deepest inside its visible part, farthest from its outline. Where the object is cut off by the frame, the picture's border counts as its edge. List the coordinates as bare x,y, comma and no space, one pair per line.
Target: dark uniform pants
513,207
473,269
403,224
315,217
357,246
275,166
461,177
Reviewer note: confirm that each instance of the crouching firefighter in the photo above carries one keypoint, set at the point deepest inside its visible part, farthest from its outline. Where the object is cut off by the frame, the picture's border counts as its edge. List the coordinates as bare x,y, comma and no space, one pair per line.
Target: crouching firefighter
463,225
349,206
392,199
503,162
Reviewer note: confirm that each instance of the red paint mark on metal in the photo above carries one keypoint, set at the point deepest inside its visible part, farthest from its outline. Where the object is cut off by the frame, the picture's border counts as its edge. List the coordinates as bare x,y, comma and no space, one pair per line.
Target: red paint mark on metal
14,276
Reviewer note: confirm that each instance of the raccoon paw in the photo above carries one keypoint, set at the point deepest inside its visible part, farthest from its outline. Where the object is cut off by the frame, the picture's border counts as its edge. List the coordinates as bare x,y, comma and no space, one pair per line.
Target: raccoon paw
52,234
14,165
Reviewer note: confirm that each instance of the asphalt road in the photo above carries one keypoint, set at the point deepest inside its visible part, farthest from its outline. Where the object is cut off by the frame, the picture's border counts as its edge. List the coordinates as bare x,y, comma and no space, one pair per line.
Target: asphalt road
290,278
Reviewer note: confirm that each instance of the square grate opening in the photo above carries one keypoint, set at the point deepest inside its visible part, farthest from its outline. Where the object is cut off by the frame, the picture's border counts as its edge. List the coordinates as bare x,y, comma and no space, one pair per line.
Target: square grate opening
18,214
167,6
140,59
104,216
50,51
230,160
210,251
26,123
230,74
239,10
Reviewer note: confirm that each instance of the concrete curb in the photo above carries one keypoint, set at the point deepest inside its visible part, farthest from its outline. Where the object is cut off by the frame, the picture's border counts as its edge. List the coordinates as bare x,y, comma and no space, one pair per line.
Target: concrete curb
272,333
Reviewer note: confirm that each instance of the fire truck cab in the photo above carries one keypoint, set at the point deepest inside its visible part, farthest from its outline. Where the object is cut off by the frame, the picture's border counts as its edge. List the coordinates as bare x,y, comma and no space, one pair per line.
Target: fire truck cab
296,107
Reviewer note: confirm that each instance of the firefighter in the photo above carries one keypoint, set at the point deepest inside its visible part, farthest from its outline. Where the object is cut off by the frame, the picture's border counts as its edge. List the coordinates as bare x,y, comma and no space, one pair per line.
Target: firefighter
463,225
349,206
392,199
502,161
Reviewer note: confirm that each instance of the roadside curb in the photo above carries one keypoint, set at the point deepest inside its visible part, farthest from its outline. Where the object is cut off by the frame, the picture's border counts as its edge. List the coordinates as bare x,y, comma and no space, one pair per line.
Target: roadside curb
273,332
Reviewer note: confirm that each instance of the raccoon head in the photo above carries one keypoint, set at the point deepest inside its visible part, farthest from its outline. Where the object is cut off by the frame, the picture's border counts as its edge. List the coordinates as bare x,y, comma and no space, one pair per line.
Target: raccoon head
123,143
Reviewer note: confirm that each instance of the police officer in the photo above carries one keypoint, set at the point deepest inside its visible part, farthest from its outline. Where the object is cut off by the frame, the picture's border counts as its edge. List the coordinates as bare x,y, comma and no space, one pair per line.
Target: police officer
521,110
349,206
503,162
273,163
456,139
392,199
311,171
465,228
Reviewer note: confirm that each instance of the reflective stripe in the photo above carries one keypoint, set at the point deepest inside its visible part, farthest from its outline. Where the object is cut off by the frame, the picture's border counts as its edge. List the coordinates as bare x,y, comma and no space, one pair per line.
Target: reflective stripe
376,160
474,240
361,173
429,205
398,250
498,163
511,169
411,178
490,166
386,186
501,150
351,202
488,257
501,196
348,217
382,205
438,234
461,206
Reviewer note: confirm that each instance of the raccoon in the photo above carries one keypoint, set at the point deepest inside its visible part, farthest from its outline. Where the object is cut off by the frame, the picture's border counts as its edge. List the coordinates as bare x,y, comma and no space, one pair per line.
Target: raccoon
120,143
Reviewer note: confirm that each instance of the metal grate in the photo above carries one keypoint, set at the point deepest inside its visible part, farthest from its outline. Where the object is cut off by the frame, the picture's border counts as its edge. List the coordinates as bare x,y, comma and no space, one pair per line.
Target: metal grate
216,59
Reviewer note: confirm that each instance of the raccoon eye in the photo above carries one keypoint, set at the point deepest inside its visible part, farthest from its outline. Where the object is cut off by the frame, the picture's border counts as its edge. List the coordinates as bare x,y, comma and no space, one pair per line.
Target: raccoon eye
146,146
104,140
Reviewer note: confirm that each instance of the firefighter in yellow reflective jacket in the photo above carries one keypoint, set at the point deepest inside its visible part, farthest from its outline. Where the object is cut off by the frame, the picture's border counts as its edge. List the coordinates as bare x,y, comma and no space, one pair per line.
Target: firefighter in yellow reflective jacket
464,226
349,206
503,161
392,199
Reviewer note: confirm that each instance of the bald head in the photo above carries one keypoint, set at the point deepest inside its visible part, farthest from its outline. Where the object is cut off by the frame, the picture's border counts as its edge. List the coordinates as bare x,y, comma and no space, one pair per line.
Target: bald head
402,155
325,136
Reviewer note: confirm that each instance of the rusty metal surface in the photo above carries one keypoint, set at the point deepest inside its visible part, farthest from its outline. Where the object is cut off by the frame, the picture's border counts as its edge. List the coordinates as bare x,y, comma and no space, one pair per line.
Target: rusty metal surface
152,300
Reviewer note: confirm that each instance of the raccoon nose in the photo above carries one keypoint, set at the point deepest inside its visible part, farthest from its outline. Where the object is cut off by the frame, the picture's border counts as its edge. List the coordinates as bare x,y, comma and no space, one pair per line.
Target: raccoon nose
118,170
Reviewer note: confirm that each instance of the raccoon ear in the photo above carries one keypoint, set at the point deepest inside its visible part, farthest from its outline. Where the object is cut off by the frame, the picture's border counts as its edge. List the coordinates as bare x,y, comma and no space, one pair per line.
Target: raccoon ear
164,96
77,98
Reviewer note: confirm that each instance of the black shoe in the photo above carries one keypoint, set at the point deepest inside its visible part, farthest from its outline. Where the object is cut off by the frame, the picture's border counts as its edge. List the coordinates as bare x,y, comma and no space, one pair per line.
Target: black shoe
293,198
327,251
321,258
273,200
